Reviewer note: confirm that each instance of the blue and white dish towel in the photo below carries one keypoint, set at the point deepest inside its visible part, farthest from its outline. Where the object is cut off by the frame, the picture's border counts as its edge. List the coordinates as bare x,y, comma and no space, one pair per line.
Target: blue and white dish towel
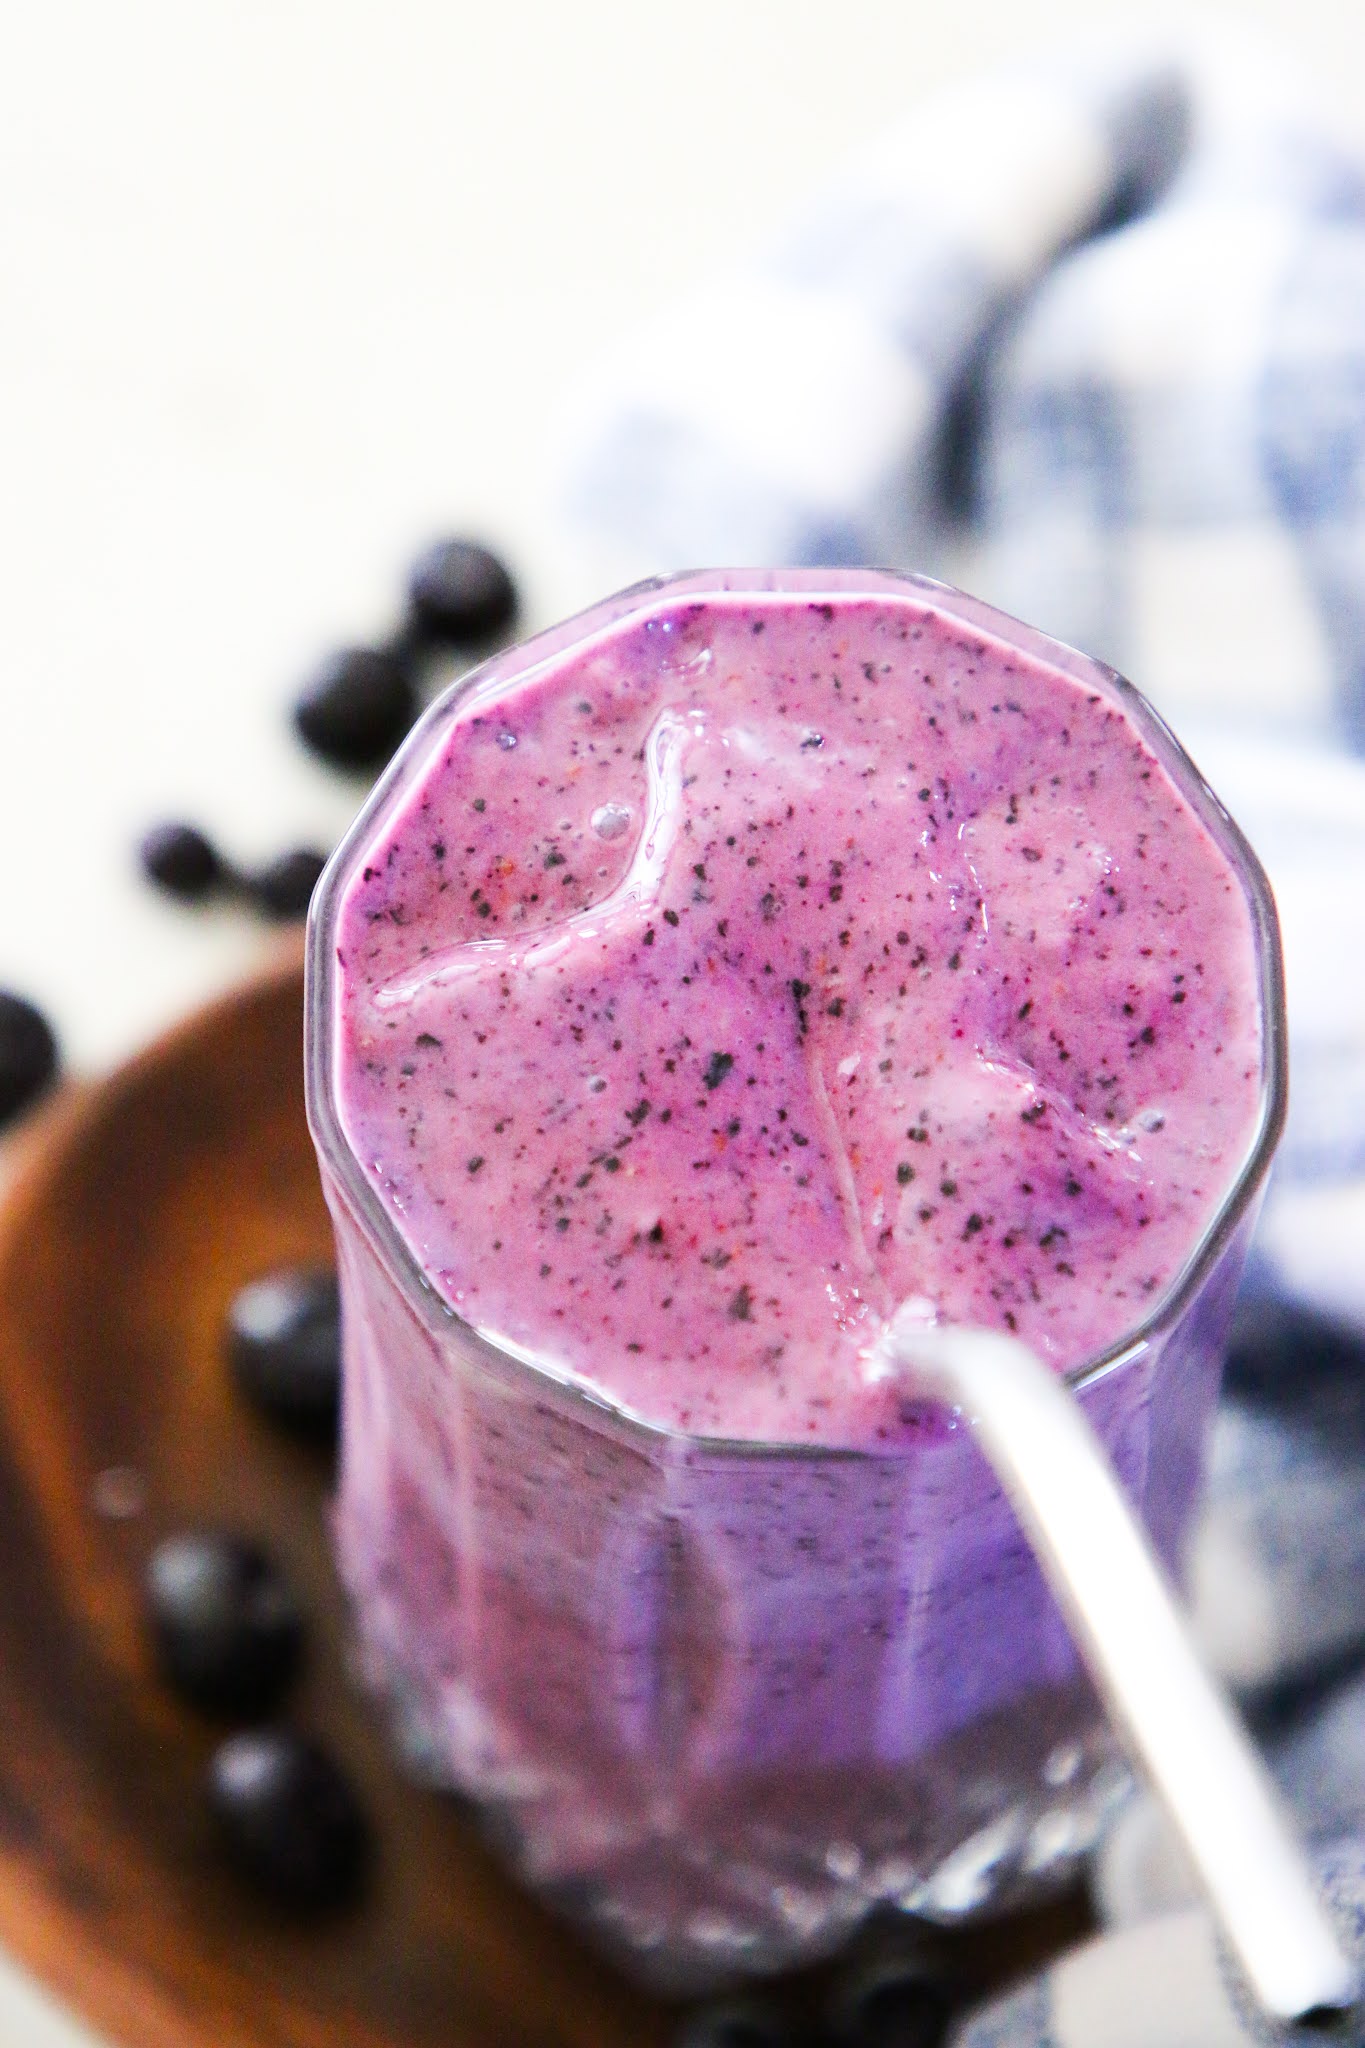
1088,338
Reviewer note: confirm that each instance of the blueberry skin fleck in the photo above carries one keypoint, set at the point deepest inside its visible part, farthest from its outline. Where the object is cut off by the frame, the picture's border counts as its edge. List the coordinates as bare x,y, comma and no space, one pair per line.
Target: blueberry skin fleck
357,707
284,1346
289,1818
284,889
460,593
893,2002
742,2024
225,1624
28,1054
180,860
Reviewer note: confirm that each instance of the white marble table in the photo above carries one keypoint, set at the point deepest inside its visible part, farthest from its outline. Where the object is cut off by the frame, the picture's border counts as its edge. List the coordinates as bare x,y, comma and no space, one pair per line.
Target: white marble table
290,289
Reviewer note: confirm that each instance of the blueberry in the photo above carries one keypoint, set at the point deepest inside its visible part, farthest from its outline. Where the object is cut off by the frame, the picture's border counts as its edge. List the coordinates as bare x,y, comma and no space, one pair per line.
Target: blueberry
284,1344
357,707
461,593
284,888
180,860
28,1054
891,2002
224,1620
288,1817
745,2023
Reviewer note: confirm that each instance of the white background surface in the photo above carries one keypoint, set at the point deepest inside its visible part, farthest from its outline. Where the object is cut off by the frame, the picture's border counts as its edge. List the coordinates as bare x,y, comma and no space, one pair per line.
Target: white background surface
289,286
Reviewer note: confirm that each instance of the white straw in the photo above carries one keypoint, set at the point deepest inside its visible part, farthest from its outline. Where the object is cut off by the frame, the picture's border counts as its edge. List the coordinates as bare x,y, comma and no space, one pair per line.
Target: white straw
1175,1723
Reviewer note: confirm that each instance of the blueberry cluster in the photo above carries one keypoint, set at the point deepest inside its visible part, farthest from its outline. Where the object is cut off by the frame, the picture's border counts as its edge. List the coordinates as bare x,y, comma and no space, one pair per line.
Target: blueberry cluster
182,861
227,1628
352,712
900,1995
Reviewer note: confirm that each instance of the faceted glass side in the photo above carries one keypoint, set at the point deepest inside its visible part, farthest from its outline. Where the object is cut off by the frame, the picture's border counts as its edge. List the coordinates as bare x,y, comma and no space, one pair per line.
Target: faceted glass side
720,1699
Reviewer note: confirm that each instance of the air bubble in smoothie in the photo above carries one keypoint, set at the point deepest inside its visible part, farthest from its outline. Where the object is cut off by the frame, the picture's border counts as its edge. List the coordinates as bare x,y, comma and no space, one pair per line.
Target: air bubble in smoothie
609,821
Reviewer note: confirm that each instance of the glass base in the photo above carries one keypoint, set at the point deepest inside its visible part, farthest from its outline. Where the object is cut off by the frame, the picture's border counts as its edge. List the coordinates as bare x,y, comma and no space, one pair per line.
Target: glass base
748,1879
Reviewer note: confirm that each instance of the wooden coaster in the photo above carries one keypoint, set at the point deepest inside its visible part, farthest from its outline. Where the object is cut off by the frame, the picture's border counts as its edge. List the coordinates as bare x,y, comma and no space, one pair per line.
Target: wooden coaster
137,1210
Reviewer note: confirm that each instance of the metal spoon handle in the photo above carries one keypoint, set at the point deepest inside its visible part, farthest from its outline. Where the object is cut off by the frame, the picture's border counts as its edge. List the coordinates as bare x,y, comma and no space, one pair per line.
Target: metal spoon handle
1175,1723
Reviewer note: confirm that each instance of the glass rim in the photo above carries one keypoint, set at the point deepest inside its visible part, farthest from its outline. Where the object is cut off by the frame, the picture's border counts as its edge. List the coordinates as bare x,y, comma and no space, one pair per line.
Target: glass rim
483,684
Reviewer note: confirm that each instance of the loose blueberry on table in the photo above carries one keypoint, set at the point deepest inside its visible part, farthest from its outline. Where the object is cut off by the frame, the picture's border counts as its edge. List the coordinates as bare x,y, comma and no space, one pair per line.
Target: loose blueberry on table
890,2002
225,1624
28,1054
284,888
357,707
743,2023
288,1817
180,859
460,593
284,1346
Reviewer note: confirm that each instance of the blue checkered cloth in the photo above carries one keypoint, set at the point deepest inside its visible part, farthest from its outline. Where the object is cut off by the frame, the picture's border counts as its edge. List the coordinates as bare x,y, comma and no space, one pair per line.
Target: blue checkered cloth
1089,338
1163,1982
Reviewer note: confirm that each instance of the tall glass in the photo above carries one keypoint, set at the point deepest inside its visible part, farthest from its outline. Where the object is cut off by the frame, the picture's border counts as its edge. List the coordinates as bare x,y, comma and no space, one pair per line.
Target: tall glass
722,1698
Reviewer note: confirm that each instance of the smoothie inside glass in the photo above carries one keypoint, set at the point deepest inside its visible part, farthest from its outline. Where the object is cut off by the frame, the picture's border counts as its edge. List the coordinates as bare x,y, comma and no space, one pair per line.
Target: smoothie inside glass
754,960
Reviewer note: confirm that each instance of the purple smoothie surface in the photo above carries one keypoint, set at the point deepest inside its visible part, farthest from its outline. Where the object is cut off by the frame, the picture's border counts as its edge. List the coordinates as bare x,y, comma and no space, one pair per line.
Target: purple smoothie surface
760,964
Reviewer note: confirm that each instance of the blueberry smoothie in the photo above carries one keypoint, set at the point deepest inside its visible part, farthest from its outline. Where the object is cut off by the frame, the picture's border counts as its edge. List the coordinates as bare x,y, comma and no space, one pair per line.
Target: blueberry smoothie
709,980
